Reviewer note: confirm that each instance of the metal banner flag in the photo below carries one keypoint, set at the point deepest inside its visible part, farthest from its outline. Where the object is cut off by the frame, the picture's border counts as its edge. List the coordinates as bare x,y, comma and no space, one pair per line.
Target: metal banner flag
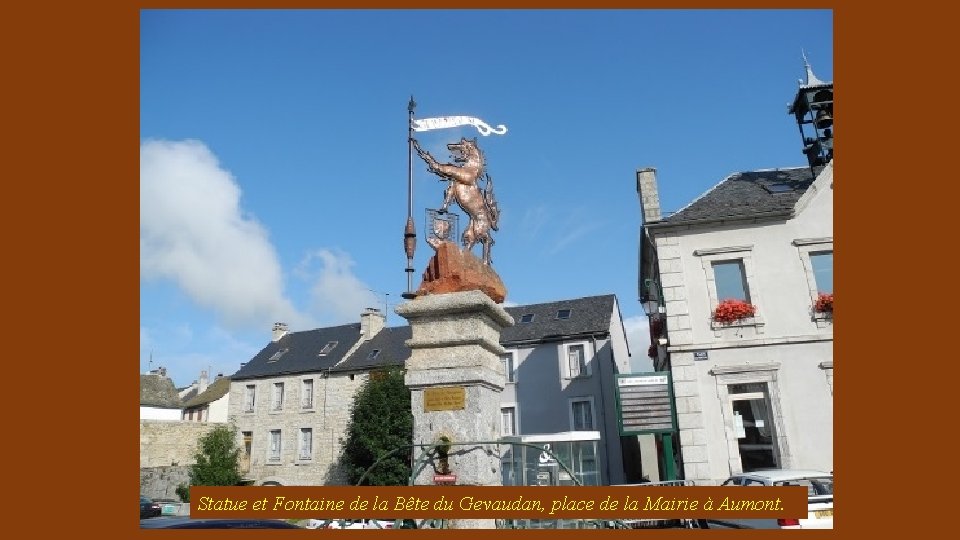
443,122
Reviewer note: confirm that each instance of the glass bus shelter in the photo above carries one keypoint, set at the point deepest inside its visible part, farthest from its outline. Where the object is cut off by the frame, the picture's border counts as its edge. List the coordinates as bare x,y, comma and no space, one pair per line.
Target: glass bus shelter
541,461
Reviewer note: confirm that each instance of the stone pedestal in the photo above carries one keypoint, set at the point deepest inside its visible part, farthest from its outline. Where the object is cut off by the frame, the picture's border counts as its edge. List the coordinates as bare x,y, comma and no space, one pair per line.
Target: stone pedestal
455,345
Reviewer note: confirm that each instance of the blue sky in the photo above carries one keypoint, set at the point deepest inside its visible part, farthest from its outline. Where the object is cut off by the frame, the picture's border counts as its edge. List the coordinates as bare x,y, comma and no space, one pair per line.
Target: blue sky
273,154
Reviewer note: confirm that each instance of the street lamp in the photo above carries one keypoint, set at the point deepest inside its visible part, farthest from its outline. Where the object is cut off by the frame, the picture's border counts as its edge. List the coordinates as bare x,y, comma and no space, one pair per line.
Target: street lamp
654,308
653,299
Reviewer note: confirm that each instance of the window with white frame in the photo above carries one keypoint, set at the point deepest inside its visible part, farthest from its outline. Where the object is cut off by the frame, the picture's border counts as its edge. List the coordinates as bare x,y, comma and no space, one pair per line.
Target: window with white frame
277,396
249,397
581,414
575,356
306,394
730,272
509,369
274,451
816,256
508,421
306,443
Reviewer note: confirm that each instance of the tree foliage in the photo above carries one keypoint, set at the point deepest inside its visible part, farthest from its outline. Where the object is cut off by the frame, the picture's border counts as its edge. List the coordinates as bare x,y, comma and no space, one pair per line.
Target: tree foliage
381,421
217,459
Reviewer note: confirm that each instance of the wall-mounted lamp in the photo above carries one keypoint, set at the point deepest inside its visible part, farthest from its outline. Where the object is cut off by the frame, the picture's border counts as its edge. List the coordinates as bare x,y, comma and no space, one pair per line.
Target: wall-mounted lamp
652,298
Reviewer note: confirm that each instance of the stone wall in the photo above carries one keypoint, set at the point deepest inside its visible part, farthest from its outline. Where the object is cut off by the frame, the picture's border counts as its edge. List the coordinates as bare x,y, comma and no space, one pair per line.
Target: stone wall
162,482
168,443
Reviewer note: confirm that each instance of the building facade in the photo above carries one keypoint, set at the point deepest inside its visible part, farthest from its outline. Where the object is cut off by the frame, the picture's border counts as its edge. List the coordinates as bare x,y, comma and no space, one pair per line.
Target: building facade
753,386
158,397
289,411
560,367
292,410
211,402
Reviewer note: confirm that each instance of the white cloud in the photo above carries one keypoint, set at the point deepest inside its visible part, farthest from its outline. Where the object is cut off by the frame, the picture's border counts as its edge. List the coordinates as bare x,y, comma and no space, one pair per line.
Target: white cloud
194,233
533,221
337,296
184,351
569,228
638,336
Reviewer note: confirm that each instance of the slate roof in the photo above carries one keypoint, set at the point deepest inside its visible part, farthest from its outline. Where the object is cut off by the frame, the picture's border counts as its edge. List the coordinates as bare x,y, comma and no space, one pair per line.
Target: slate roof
158,391
302,352
215,391
745,195
391,342
588,315
189,394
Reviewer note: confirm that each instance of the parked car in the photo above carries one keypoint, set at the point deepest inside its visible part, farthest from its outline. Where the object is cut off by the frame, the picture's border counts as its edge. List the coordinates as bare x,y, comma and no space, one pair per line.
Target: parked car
169,507
148,508
819,503
335,524
359,524
178,522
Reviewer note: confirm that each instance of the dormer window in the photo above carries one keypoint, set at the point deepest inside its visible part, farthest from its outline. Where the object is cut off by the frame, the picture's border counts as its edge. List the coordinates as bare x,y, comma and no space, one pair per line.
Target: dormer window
526,318
328,347
276,356
563,314
373,354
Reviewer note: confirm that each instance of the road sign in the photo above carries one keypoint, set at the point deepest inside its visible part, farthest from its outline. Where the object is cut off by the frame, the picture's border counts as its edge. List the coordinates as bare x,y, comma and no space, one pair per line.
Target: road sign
645,403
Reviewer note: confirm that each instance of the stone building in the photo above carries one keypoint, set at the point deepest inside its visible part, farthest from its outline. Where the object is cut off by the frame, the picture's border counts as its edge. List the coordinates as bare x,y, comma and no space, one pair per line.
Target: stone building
211,402
290,411
751,391
158,397
291,403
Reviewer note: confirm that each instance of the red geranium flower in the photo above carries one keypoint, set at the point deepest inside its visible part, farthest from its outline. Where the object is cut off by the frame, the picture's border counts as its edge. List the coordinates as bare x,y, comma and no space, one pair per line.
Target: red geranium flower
824,303
731,310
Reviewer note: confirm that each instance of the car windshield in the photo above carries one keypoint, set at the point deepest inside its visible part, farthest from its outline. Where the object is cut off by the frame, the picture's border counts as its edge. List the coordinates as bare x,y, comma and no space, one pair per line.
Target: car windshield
815,486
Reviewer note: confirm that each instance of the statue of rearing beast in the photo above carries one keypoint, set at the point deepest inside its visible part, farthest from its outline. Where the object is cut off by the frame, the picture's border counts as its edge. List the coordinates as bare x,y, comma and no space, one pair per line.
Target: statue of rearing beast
464,176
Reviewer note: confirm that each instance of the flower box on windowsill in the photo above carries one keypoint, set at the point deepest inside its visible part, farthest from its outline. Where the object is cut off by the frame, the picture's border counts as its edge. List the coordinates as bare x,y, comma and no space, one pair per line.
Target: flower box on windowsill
754,321
730,311
735,314
823,304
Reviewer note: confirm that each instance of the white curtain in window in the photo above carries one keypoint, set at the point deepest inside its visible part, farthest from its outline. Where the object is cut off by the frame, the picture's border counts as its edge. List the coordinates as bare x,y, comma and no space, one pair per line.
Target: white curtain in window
759,409
307,398
277,395
274,444
508,421
306,443
576,360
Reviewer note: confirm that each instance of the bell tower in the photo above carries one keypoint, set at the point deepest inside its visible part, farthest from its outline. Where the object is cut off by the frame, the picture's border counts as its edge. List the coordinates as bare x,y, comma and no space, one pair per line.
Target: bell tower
813,109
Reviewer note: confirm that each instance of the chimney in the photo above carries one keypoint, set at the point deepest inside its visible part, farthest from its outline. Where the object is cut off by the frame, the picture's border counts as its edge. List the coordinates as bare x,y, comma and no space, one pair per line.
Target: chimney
279,330
162,371
219,375
649,198
372,321
203,382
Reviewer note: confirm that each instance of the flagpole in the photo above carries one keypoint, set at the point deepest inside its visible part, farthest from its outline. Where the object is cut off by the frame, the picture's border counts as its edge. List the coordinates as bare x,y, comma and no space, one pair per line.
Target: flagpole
410,232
